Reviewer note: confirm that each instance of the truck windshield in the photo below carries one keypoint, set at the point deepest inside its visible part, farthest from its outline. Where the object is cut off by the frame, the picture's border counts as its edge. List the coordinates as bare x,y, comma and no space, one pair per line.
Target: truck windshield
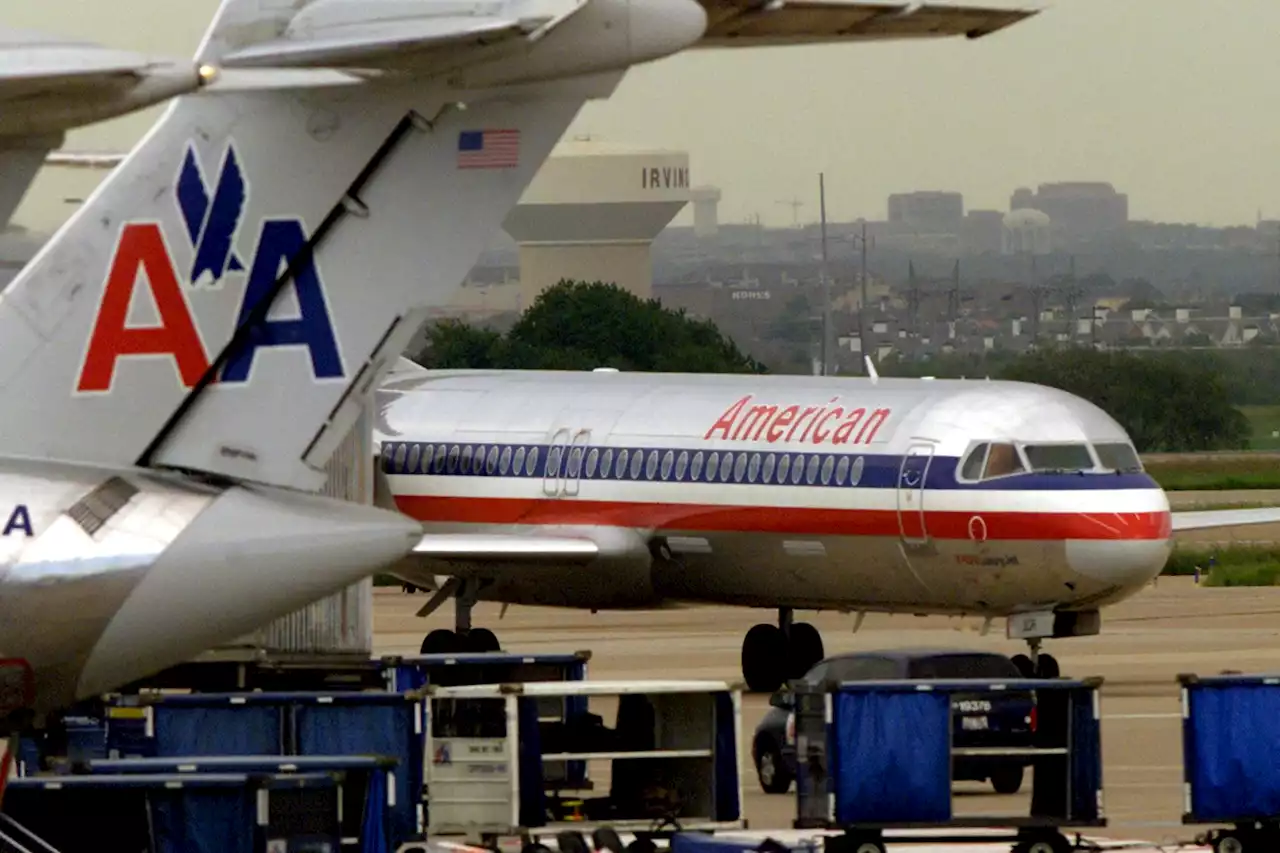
963,666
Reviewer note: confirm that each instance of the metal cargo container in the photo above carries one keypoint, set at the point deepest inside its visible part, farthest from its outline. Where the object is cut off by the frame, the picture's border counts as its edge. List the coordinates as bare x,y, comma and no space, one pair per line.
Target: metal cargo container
342,622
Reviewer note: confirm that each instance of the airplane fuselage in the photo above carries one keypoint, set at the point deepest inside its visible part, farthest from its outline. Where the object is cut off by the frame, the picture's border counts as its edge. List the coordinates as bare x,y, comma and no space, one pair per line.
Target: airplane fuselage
109,575
771,491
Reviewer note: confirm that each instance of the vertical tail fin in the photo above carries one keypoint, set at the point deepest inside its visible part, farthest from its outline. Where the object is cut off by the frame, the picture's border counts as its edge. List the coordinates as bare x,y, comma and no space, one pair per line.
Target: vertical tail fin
230,292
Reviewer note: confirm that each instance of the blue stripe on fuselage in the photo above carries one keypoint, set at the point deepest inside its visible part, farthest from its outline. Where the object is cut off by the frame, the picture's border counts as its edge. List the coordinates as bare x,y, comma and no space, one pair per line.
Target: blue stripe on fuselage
878,471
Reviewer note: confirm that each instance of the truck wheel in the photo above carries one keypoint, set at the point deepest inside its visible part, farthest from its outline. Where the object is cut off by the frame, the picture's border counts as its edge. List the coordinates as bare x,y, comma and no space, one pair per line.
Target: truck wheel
1228,842
1007,780
771,770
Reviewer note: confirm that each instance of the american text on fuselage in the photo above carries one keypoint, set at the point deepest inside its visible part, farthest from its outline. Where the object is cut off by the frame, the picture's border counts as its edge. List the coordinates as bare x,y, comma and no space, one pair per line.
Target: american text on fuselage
756,500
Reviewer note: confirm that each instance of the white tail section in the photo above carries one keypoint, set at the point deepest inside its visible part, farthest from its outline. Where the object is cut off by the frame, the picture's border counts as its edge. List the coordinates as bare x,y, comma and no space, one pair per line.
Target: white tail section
259,260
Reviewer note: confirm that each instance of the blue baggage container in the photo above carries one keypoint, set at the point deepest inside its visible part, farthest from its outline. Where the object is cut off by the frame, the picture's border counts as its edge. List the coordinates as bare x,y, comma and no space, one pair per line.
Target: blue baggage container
1231,756
193,813
367,781
276,724
875,755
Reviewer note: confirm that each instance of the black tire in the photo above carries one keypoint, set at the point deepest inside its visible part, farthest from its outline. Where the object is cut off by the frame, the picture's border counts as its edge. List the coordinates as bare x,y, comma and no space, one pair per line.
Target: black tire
441,642
1024,665
1229,842
482,640
764,658
804,650
606,838
771,770
1056,843
1047,667
1007,780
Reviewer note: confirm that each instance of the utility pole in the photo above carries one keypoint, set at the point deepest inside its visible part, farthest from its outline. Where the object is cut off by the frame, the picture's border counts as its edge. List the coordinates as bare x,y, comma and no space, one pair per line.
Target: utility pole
953,297
826,285
862,308
913,299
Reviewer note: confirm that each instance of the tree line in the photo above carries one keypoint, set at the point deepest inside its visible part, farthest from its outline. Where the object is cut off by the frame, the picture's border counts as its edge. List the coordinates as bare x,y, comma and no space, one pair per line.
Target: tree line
1168,401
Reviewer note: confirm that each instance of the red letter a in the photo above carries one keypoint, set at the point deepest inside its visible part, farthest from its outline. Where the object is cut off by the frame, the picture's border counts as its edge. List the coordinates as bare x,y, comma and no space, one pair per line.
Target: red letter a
142,249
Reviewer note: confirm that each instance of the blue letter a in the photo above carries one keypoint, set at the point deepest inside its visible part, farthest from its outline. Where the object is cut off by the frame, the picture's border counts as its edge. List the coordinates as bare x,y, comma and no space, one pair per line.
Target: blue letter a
283,239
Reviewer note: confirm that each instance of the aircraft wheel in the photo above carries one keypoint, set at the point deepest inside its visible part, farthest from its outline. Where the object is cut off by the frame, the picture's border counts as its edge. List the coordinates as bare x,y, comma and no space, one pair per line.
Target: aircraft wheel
764,655
804,650
441,642
481,640
1047,667
1024,665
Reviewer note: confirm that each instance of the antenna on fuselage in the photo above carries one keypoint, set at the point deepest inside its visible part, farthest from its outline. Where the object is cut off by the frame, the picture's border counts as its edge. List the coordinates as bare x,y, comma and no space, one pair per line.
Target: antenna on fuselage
871,369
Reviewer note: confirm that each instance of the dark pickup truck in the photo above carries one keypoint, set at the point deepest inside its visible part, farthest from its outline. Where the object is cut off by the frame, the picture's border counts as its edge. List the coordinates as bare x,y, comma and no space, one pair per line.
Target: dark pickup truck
1004,718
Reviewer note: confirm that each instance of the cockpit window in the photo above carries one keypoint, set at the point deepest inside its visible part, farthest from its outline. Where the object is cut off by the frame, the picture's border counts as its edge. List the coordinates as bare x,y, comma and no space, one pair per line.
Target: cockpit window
1002,461
972,467
1058,457
1118,456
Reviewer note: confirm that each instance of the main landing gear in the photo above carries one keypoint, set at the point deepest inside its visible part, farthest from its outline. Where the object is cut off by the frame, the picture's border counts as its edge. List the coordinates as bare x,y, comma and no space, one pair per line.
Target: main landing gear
463,639
773,654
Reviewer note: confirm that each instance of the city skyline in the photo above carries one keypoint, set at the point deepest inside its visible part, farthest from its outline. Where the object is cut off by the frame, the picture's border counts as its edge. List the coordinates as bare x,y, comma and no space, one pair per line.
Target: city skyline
1152,96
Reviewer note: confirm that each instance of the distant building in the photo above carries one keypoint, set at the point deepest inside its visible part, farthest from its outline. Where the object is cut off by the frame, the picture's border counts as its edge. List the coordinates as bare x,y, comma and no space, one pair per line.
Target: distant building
935,212
1078,209
982,231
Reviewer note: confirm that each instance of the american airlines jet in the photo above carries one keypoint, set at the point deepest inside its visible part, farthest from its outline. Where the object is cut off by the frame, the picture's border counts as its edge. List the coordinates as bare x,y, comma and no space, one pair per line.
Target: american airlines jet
608,490
184,356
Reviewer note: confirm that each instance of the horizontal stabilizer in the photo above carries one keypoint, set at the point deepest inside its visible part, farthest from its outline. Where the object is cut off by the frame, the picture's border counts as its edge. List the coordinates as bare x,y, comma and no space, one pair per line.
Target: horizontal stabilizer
1201,520
750,23
49,84
506,548
382,45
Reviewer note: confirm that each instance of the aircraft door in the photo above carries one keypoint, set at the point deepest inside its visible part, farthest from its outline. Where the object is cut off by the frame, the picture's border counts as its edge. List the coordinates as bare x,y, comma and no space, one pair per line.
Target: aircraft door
573,463
911,494
554,472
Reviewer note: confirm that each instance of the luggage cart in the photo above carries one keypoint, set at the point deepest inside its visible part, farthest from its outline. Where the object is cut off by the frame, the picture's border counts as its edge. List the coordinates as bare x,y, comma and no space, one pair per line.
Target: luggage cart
875,756
1231,759
492,767
275,724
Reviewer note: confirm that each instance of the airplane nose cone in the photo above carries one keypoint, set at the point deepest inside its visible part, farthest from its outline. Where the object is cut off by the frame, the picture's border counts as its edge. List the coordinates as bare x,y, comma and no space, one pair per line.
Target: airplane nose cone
1119,562
250,557
659,28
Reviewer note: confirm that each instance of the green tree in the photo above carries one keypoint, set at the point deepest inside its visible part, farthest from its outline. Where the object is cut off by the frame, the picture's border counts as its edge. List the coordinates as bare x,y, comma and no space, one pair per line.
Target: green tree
581,326
1165,403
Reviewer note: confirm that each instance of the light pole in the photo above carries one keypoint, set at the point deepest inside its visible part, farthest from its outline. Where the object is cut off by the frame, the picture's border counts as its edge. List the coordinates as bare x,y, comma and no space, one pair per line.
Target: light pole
861,240
826,285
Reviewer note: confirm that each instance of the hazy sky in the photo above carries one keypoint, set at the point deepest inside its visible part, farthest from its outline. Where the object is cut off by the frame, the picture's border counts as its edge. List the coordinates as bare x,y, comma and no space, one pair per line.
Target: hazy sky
1173,101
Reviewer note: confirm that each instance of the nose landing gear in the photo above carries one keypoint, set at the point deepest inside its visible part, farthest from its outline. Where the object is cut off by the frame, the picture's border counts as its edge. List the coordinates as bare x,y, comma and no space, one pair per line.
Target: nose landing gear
1036,665
771,654
463,639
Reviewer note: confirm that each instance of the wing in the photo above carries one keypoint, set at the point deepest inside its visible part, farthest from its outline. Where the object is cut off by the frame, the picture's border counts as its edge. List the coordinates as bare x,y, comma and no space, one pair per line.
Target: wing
752,23
1201,520
49,85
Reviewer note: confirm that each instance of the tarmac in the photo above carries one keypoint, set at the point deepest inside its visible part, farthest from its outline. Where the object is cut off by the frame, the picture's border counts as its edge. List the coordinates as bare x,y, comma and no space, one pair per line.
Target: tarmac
1174,626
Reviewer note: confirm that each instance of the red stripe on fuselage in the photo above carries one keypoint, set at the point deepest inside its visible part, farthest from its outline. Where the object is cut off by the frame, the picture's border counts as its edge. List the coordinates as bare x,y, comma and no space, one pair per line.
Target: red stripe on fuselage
751,519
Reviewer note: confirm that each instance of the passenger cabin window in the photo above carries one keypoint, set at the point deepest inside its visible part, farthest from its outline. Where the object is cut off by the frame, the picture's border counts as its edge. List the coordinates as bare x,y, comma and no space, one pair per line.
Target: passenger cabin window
1058,457
1117,456
1002,460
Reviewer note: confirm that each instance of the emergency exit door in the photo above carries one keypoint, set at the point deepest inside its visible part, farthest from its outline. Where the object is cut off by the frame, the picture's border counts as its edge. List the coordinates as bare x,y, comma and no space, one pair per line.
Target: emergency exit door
911,494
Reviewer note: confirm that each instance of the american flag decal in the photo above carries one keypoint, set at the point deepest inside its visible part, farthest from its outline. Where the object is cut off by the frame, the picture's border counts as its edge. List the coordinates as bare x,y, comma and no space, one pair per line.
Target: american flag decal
488,149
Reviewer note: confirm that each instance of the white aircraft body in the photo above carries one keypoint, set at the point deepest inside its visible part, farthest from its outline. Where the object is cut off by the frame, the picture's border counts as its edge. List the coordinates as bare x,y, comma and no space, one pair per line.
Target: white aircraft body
612,490
186,353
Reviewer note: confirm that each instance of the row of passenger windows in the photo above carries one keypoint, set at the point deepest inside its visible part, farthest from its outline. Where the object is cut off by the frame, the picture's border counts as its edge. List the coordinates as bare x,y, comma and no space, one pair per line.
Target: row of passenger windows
624,464
990,460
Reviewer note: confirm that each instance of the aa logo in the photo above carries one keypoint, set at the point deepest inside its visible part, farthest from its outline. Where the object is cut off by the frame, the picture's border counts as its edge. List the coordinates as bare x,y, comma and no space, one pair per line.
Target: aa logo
214,213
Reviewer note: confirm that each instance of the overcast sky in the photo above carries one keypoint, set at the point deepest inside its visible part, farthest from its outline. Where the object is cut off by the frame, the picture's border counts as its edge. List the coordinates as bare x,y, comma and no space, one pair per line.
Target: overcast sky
1173,101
